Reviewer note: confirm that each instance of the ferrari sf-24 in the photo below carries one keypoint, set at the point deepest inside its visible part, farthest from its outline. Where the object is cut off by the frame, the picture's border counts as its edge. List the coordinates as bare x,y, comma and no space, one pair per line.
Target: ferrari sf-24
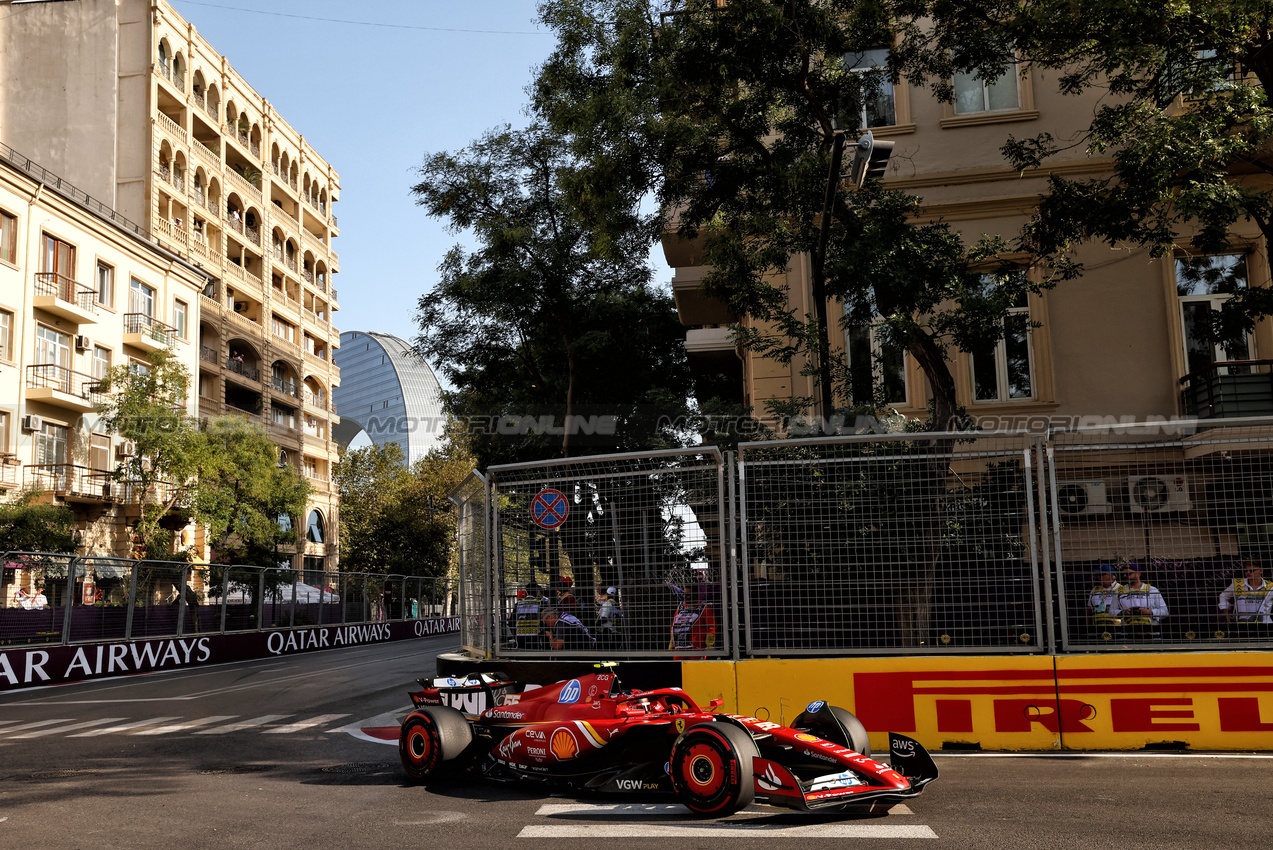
589,735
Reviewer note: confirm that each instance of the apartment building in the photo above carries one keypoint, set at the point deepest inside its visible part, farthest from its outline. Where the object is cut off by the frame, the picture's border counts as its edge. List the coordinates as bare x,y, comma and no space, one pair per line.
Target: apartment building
139,111
1121,342
82,290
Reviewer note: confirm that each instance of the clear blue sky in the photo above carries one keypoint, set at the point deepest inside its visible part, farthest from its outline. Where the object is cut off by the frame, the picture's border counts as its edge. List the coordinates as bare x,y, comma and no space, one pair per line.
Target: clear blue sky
373,100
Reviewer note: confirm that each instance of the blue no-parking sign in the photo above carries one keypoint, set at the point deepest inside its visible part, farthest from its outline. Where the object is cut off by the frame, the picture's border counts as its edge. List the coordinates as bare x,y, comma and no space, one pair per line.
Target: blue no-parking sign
549,508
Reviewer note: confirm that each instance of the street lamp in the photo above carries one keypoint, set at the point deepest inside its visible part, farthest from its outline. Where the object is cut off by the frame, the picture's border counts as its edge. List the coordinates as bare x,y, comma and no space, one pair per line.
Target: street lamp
870,159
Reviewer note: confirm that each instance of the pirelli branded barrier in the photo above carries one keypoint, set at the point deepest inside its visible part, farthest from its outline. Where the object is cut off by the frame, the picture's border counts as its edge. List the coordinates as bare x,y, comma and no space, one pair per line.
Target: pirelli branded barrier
53,665
1201,701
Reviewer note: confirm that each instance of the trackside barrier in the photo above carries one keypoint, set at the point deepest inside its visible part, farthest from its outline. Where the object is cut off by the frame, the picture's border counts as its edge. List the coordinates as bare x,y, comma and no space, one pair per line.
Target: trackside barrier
987,543
59,602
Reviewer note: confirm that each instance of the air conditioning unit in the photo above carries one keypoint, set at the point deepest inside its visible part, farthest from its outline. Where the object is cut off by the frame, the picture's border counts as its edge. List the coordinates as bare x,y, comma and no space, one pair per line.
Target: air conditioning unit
83,343
240,306
1158,494
31,422
125,448
1082,498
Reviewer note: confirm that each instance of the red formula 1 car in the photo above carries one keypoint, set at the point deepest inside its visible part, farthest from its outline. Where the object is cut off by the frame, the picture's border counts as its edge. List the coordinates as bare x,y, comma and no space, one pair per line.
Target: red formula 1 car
590,735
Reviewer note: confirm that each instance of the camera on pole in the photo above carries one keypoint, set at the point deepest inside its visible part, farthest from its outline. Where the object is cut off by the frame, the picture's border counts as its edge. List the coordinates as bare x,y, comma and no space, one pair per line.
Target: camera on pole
870,159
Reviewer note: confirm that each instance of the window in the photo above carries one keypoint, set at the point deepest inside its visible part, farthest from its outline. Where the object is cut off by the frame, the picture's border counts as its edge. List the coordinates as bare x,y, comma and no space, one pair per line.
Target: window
99,452
6,335
137,367
141,298
101,362
8,238
977,95
4,431
179,311
314,531
879,103
875,364
52,347
1004,373
59,257
50,443
283,330
1203,284
105,285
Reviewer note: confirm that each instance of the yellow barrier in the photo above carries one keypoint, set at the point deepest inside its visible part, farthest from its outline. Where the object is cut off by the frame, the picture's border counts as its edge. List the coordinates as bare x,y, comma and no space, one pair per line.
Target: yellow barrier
1211,701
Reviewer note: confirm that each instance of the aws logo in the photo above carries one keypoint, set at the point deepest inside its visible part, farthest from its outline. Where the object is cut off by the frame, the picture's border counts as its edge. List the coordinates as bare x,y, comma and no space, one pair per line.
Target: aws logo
563,745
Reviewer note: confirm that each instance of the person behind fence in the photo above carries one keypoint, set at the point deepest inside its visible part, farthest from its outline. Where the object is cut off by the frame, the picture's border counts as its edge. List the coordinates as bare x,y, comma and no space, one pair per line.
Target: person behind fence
608,615
1140,606
1247,600
1102,602
694,624
39,602
565,632
566,601
526,616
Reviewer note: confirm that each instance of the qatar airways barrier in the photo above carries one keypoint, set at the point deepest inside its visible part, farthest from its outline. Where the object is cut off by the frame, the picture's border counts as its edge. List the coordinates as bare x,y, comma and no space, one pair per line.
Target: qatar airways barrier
28,667
1201,701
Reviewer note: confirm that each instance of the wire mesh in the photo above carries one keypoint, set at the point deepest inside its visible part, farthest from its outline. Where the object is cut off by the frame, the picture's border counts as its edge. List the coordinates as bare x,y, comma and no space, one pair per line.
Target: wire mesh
472,519
1163,535
918,543
621,554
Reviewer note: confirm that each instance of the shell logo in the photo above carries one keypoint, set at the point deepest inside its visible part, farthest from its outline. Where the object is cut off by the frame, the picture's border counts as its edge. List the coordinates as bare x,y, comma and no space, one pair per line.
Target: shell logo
803,737
563,745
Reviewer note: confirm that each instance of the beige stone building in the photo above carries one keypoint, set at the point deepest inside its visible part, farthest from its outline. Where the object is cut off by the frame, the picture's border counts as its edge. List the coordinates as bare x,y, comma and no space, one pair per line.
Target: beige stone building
141,113
1117,343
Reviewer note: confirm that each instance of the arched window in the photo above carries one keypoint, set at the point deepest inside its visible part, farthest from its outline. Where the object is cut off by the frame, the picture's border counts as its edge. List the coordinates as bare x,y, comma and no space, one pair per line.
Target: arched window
314,533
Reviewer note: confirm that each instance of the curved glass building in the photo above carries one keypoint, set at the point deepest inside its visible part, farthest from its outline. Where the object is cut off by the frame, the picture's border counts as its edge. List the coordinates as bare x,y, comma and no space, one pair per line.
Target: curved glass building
389,392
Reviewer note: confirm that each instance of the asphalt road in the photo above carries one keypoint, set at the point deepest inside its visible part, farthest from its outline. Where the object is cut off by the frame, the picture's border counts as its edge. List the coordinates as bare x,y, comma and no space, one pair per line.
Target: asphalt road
268,754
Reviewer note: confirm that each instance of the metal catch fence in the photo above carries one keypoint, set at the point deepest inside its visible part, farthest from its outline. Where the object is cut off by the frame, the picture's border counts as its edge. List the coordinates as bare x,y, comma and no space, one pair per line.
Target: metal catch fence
903,544
65,599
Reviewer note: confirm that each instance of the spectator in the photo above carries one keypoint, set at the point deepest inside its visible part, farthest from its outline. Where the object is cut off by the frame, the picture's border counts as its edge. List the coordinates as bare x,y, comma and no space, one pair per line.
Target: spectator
526,615
39,602
566,601
608,614
565,632
694,624
1247,599
22,598
1140,605
1102,603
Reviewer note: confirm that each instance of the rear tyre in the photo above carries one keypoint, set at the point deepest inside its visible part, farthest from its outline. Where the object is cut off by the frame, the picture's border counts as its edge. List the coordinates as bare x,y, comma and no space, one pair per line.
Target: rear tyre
431,740
711,768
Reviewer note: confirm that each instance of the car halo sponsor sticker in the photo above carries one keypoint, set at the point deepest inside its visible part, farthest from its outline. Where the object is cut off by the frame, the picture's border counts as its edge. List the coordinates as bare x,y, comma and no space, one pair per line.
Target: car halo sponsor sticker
815,706
570,692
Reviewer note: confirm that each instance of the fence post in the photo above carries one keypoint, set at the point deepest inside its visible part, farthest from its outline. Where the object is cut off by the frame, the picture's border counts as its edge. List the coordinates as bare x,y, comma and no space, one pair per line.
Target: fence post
132,600
70,599
181,601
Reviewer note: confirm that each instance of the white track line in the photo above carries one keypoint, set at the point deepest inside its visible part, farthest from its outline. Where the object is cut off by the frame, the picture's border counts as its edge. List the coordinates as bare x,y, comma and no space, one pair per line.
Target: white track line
182,727
73,727
699,829
304,724
126,727
243,724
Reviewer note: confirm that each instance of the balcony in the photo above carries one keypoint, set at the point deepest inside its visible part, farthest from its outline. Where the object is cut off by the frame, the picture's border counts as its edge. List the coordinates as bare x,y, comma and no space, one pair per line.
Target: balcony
58,294
61,387
238,367
1227,389
282,385
208,355
75,483
147,333
8,470
171,127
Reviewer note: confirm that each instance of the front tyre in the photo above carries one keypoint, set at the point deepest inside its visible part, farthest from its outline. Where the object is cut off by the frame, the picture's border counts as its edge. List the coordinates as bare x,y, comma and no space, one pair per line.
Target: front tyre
430,738
711,768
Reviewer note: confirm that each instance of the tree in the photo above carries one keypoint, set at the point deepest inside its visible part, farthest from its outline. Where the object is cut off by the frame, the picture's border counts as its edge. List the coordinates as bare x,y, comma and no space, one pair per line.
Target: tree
250,500
1181,130
726,114
551,322
224,475
28,526
146,405
395,520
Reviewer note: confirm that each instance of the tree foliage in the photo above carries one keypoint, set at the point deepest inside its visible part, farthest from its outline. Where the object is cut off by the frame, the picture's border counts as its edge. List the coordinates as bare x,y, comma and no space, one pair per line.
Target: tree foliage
224,475
550,320
397,520
26,525
726,115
